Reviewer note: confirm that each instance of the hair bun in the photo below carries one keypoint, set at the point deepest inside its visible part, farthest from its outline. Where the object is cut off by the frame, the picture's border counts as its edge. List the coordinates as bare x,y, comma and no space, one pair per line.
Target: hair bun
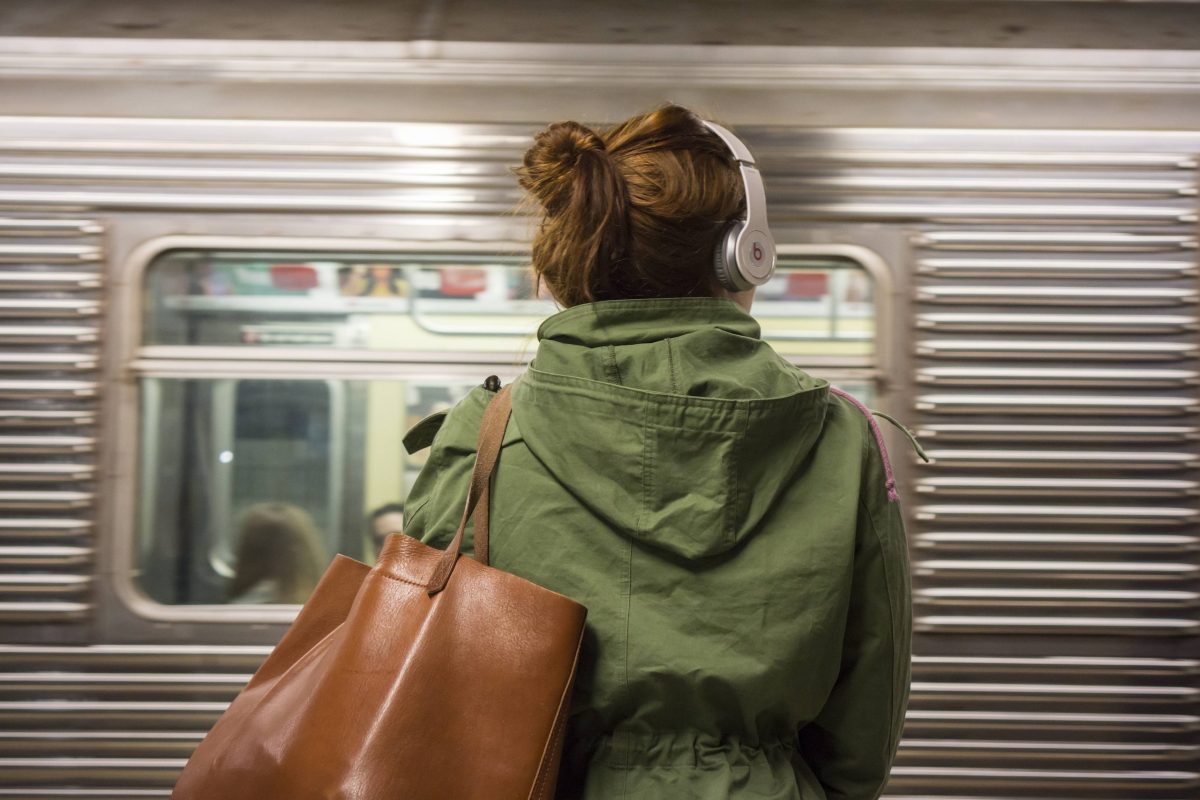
551,164
568,139
634,212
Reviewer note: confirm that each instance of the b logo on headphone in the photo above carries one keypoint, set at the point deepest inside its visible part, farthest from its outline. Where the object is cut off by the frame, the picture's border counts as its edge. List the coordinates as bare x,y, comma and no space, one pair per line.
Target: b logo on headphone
745,255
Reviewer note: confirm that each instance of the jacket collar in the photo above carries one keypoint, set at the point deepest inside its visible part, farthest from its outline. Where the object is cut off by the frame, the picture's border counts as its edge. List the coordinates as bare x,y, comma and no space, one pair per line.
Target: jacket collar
617,322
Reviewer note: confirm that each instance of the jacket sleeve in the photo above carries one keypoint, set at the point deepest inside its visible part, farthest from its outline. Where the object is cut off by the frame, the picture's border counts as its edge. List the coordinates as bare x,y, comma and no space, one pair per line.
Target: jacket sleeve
852,742
434,506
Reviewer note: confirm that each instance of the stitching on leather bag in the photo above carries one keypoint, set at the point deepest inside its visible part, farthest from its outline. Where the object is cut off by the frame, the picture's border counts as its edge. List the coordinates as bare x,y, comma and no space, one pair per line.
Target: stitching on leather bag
399,579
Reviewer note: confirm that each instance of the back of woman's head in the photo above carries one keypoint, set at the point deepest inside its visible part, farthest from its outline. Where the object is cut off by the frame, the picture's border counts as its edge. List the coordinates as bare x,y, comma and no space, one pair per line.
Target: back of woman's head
632,211
279,542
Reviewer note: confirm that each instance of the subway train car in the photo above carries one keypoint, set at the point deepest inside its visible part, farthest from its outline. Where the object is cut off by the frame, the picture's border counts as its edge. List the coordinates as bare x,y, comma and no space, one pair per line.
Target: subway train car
241,254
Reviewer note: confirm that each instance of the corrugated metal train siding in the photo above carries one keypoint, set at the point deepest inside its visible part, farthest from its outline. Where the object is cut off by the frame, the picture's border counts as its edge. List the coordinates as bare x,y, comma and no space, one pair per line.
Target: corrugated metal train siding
50,302
1053,339
1055,343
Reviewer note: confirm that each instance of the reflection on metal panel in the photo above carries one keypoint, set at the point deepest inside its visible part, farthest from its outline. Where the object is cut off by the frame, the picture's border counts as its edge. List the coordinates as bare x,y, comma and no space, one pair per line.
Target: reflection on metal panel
1052,726
145,706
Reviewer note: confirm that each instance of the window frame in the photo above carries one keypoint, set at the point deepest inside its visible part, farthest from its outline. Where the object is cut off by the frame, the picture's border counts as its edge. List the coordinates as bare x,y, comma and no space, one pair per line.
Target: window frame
135,361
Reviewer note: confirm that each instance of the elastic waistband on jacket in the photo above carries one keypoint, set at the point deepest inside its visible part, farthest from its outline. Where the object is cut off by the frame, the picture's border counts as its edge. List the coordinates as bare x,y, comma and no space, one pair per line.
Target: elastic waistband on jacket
626,750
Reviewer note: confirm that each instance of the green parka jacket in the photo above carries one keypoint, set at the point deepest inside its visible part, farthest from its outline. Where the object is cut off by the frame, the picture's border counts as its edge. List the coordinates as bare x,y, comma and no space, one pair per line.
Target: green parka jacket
728,523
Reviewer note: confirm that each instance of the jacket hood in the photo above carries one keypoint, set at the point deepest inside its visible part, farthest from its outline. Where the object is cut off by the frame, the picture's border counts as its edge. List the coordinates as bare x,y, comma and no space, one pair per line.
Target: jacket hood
670,419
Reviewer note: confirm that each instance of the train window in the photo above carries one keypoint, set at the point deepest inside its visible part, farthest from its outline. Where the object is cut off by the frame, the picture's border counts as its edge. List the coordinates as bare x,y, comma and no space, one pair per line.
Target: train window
819,307
250,485
363,301
268,452
383,302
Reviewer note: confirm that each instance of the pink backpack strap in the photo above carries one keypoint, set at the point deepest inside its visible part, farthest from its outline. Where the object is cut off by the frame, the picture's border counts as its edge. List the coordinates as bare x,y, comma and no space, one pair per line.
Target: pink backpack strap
892,494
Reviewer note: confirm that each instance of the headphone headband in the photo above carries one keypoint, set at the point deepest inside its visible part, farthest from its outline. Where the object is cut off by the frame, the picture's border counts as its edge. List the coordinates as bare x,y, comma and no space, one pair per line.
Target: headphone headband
745,255
740,151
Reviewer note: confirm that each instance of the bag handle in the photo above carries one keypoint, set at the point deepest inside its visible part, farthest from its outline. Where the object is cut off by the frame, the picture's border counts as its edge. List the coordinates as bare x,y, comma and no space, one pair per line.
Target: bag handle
491,435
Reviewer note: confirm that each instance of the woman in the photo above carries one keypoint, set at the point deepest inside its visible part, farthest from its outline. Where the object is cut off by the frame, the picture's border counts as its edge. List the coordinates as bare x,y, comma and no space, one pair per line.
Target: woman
727,519
279,556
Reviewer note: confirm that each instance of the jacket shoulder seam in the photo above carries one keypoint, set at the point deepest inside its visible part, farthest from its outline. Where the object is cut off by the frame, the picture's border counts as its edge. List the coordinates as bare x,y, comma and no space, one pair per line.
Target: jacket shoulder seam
892,740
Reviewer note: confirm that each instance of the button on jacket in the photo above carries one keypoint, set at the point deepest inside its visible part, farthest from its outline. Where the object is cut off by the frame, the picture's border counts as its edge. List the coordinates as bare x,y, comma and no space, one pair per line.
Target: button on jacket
726,519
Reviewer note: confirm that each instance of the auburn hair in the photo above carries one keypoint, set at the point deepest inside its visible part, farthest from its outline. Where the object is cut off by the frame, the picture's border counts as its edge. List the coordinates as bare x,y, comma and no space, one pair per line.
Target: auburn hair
632,211
280,543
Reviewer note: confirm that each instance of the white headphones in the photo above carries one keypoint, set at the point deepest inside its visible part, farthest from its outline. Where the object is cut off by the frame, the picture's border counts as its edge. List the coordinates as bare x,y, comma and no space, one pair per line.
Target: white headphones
745,255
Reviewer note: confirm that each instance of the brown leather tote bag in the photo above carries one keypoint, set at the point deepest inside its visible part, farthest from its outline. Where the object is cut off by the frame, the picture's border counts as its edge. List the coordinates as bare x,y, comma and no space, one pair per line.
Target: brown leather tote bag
425,677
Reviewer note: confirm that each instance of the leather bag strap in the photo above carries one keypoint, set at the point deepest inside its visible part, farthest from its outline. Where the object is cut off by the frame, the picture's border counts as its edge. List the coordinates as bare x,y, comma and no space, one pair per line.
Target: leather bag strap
487,453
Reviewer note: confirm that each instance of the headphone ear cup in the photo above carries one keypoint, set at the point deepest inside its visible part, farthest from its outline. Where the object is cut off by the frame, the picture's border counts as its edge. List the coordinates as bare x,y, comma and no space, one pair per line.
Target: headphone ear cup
725,258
